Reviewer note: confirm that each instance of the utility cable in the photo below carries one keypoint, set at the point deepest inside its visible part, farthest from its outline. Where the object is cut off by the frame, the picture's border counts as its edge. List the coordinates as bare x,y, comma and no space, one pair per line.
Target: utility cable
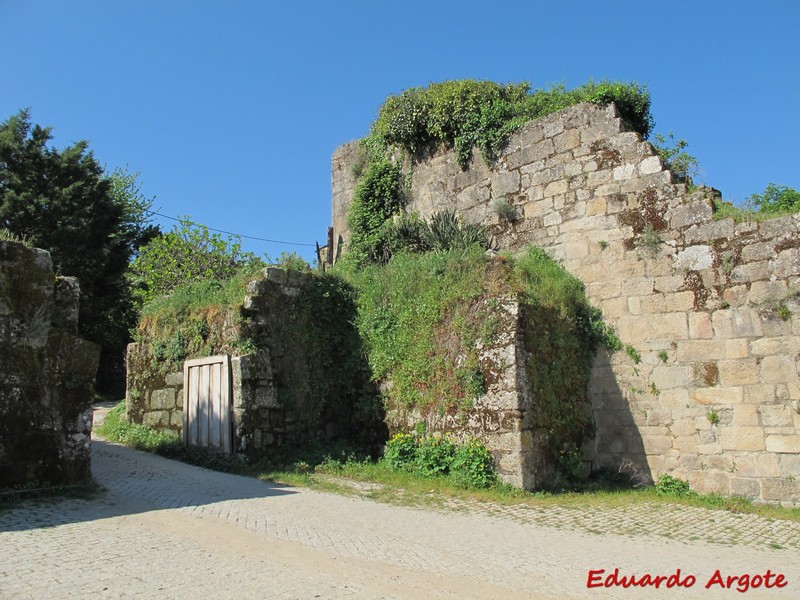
239,235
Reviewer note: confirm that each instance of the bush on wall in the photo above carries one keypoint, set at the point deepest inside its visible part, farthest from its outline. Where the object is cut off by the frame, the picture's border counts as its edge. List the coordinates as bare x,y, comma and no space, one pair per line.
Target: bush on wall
456,115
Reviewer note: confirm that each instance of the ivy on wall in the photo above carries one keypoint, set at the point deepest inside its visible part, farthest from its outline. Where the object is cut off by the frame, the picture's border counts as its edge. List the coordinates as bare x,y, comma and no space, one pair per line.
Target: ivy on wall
458,115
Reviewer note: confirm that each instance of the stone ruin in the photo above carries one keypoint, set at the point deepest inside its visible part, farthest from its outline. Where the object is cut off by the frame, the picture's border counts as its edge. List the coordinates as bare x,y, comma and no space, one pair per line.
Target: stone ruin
709,390
47,373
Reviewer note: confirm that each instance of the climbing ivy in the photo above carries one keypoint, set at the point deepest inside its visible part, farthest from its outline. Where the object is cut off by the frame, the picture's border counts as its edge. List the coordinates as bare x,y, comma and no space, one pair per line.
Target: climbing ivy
456,115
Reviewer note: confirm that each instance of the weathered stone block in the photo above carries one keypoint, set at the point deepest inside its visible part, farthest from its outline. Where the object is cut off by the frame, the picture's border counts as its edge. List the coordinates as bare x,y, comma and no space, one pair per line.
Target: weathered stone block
787,263
567,140
175,379
633,330
656,444
156,419
718,395
778,369
776,415
700,326
738,372
789,444
695,258
163,399
765,291
738,348
742,438
745,415
709,231
738,322
505,183
679,302
667,377
746,488
707,482
276,274
700,350
750,272
691,213
785,490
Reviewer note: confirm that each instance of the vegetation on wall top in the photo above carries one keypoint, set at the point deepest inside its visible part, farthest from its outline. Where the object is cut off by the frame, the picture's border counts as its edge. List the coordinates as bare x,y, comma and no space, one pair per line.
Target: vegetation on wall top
774,201
423,318
189,253
457,115
463,114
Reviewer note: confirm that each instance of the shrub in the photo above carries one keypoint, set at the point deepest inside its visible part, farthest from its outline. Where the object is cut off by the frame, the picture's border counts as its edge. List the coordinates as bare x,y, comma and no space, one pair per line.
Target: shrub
377,198
673,153
445,232
463,114
505,210
776,199
401,451
468,465
291,261
434,455
672,486
473,466
185,255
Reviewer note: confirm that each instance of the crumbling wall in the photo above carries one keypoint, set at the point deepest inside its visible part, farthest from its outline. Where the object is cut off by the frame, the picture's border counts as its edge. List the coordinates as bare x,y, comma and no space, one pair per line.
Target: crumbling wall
47,373
279,390
707,388
496,416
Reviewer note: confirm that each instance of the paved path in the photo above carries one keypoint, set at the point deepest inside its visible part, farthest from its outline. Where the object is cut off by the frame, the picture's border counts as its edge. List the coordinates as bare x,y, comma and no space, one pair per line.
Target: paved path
169,530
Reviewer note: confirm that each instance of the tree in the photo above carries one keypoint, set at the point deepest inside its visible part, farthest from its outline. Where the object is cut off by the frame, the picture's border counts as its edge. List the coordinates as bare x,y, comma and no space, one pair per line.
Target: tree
776,199
91,223
188,253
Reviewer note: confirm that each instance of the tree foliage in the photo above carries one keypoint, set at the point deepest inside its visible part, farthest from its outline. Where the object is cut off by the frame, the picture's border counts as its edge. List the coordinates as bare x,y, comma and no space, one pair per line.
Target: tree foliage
776,199
672,152
188,253
91,222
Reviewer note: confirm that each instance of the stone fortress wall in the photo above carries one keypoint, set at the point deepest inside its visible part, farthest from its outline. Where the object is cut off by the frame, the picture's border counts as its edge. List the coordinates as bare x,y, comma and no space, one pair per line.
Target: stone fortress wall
47,373
709,390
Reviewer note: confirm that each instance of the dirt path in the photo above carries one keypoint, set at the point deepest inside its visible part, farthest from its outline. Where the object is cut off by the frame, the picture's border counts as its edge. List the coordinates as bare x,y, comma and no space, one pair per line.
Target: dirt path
169,530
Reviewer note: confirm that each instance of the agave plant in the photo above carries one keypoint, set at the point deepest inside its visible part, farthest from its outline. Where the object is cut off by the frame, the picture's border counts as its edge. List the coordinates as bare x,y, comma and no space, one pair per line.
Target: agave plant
444,232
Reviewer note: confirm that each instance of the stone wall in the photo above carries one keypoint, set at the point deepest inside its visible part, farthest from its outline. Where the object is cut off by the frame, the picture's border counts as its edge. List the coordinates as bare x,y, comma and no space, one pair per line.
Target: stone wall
273,403
46,373
496,417
709,390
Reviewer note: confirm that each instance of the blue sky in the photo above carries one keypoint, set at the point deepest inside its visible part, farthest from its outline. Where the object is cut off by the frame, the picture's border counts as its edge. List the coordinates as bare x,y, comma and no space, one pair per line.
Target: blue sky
230,110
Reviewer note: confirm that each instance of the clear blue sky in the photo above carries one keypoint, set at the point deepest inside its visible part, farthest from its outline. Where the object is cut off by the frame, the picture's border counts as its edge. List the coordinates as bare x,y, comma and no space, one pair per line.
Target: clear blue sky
230,110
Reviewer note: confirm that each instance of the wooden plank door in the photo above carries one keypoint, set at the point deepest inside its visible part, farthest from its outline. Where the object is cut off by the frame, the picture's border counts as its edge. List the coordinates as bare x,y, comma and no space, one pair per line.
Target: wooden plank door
207,403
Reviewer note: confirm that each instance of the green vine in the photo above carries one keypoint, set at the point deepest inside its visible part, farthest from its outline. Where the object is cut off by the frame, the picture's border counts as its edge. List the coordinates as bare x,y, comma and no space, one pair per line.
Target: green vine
459,116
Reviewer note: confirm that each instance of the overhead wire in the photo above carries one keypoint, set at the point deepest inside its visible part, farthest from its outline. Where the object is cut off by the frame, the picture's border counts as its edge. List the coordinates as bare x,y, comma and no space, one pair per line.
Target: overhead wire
239,235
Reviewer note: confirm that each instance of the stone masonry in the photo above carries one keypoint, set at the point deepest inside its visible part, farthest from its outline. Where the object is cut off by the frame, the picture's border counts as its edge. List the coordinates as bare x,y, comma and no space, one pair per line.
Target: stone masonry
708,389
496,416
270,406
47,373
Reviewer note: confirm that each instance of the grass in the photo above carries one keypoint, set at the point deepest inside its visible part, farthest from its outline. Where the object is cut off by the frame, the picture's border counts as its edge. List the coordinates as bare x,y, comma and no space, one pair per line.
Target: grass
6,235
743,214
343,469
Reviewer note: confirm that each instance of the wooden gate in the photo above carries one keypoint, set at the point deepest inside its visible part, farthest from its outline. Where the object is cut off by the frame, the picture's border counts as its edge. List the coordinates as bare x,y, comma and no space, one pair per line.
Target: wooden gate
207,403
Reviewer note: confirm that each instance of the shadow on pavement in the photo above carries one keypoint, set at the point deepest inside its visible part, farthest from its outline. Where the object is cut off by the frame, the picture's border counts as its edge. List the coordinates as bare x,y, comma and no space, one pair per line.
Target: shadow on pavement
139,482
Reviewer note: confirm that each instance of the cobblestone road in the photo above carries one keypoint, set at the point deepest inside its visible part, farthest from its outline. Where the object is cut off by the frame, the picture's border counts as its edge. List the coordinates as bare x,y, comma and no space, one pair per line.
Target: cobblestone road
169,530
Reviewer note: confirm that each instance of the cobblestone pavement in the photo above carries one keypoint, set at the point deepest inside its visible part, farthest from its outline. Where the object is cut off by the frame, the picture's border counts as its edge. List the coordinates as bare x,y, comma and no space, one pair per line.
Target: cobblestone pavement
168,530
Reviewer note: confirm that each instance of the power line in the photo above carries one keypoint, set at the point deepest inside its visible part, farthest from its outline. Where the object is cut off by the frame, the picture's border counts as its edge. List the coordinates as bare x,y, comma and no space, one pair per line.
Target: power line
239,235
